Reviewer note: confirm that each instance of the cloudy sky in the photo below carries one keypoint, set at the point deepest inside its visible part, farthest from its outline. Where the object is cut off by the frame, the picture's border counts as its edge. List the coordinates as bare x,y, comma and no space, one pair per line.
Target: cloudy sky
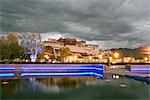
110,23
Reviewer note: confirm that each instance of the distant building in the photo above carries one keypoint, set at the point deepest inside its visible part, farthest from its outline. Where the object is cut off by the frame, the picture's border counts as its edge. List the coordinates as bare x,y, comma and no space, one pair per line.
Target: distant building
74,45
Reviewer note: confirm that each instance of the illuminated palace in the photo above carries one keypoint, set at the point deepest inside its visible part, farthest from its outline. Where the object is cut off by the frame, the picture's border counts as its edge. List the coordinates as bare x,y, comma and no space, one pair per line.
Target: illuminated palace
75,46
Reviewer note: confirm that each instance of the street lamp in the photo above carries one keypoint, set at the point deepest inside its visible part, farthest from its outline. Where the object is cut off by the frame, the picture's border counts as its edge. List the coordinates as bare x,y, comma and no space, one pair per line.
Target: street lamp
145,58
116,55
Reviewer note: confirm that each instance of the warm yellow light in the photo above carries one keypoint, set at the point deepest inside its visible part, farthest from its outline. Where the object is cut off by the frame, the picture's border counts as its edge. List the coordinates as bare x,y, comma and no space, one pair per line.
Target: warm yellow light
113,66
147,49
113,62
100,56
4,83
110,58
115,76
70,58
90,58
146,58
116,55
75,57
129,58
46,56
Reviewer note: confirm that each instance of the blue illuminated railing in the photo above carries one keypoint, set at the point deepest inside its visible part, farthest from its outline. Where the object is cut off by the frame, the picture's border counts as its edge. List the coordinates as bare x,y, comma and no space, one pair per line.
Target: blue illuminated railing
63,74
7,67
51,70
6,74
59,68
140,69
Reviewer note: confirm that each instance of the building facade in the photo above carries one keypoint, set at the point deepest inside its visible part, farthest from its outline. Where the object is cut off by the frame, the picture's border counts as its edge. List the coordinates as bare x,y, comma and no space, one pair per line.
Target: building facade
74,45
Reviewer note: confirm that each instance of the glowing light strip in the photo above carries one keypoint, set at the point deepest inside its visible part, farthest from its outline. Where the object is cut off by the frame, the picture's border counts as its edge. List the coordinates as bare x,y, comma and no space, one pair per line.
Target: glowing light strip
60,74
6,74
140,68
145,72
74,68
7,68
66,66
25,68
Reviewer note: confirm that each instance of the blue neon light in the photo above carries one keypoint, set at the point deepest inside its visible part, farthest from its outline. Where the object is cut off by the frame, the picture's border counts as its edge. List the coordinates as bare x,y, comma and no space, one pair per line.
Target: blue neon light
140,68
60,74
91,70
41,65
57,65
7,68
73,68
6,74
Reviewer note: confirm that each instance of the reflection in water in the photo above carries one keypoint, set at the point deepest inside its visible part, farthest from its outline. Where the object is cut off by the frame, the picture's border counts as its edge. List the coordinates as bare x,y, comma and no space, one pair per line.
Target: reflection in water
74,87
4,83
65,81
57,84
8,85
107,80
123,85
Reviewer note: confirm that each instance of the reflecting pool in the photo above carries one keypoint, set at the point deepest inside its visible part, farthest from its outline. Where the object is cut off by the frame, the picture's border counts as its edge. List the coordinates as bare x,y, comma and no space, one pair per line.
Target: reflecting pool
69,82
110,87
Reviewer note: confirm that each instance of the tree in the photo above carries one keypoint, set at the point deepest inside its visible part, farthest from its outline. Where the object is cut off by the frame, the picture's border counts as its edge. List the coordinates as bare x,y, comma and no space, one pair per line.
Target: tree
48,49
3,47
64,52
9,47
12,40
32,42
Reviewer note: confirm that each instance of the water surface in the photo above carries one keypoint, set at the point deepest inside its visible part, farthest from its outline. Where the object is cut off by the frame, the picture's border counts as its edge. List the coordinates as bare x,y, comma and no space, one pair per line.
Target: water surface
71,88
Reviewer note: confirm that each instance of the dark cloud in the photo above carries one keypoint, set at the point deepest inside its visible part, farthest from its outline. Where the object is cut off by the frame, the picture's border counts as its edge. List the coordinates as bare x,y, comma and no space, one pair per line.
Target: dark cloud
98,20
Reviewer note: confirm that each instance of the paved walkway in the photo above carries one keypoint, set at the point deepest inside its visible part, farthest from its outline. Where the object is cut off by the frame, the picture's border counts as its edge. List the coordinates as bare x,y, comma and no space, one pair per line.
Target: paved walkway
122,71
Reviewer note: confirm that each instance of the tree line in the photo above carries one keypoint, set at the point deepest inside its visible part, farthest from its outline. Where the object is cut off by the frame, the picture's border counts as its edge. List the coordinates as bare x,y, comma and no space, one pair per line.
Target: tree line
9,46
10,49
